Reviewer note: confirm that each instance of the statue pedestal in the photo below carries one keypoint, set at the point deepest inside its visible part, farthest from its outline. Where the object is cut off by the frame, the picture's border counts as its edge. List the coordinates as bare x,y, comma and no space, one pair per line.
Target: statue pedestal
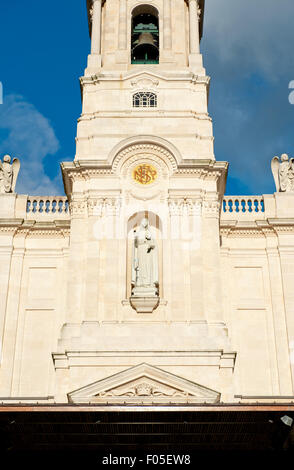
7,205
144,299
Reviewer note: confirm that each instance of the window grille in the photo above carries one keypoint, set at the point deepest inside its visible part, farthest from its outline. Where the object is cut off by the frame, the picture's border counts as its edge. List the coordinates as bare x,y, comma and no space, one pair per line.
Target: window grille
144,100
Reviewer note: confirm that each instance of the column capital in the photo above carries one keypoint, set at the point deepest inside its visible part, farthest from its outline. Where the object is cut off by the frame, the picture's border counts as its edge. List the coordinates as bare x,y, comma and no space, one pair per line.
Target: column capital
199,11
92,7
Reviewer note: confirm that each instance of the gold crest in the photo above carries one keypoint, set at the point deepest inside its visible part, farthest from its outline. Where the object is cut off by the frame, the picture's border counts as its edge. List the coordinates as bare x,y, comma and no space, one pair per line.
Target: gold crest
144,174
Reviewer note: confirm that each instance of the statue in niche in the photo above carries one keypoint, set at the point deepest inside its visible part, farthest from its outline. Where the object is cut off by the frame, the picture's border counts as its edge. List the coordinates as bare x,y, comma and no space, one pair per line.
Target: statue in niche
8,174
283,172
145,260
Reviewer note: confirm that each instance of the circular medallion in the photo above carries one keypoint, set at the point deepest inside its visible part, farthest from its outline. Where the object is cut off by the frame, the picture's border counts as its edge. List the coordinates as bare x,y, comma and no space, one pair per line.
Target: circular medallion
144,174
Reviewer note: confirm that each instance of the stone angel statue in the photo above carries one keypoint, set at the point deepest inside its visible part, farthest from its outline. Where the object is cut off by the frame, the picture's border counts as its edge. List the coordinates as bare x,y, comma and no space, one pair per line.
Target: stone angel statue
283,172
8,174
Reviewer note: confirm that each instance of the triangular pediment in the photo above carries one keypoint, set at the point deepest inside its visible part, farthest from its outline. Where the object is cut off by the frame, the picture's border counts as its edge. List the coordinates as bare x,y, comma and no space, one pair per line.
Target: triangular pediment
144,384
150,75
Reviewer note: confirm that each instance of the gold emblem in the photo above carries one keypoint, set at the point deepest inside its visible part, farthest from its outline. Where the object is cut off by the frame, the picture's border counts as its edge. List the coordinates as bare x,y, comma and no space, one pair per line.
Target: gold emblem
144,174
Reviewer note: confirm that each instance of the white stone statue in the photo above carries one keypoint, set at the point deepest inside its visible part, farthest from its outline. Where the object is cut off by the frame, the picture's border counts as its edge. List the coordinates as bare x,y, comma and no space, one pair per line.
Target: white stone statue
145,258
8,174
283,172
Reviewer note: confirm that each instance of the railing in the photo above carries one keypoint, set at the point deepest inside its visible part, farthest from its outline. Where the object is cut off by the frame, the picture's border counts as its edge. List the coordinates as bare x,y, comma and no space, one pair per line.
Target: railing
243,207
51,206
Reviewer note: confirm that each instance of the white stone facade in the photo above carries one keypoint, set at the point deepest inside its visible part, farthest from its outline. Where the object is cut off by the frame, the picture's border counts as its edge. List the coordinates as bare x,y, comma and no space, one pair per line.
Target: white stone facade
223,329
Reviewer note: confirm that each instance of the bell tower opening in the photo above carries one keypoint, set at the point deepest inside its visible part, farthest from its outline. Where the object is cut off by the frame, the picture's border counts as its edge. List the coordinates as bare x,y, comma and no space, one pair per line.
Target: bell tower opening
145,35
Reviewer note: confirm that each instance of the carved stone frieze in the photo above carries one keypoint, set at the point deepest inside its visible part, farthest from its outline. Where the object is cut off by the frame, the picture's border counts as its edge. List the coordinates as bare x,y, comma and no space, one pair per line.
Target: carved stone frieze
146,388
211,208
78,208
144,82
181,206
95,206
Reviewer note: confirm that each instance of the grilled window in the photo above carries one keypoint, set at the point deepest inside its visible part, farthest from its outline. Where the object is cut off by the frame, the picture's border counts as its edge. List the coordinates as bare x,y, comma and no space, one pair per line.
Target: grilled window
144,100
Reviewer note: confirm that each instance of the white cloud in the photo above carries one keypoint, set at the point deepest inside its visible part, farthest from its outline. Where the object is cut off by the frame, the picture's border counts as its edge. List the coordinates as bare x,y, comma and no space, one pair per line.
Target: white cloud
30,137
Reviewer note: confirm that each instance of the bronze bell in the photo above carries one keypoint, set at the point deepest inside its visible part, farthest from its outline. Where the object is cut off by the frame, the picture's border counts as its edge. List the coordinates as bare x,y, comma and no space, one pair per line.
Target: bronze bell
146,38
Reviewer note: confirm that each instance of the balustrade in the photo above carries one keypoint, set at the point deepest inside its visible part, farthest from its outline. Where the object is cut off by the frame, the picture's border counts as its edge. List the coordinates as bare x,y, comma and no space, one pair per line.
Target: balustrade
40,206
243,207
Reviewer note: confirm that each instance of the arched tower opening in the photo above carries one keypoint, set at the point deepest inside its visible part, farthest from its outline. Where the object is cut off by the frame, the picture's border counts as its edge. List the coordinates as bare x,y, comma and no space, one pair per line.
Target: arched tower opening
145,35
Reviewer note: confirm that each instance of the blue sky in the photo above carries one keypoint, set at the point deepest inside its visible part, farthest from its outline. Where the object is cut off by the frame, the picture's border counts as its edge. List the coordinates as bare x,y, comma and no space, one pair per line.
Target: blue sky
248,52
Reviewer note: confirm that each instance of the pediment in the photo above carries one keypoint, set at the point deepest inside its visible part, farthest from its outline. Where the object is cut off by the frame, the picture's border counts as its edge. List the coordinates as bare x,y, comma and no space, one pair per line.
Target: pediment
144,384
140,78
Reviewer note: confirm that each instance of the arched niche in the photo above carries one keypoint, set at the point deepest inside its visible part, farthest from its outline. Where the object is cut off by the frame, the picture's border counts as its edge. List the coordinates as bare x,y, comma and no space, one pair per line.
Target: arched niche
156,228
145,35
142,143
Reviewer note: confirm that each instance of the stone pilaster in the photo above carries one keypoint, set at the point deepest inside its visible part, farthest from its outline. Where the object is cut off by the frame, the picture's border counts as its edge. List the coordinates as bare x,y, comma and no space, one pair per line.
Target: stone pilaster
122,35
279,319
167,29
12,315
76,264
95,207
94,60
287,265
195,59
211,260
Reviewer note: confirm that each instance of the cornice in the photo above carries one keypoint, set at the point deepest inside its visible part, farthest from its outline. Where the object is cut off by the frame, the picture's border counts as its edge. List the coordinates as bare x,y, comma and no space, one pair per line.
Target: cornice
151,113
32,228
166,76
264,228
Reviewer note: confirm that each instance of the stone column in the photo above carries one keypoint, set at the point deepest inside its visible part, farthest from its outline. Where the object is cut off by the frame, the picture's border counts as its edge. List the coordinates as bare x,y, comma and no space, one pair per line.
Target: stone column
122,35
194,13
96,27
167,33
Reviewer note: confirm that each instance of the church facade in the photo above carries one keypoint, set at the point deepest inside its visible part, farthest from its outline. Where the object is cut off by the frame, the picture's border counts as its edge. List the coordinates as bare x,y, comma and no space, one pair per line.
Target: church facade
145,284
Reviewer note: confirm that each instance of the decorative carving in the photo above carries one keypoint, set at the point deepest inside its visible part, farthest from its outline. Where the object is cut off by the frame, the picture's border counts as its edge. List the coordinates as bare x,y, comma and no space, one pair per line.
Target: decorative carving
199,11
91,11
8,174
179,207
144,82
144,389
95,206
283,172
151,149
78,207
211,208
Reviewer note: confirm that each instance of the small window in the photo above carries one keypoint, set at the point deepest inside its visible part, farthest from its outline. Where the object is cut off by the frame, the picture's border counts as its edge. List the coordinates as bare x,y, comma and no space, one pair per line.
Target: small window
144,100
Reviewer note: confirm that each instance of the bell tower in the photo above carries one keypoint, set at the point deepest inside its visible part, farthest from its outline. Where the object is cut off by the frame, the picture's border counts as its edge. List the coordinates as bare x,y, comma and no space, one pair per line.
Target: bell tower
145,193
